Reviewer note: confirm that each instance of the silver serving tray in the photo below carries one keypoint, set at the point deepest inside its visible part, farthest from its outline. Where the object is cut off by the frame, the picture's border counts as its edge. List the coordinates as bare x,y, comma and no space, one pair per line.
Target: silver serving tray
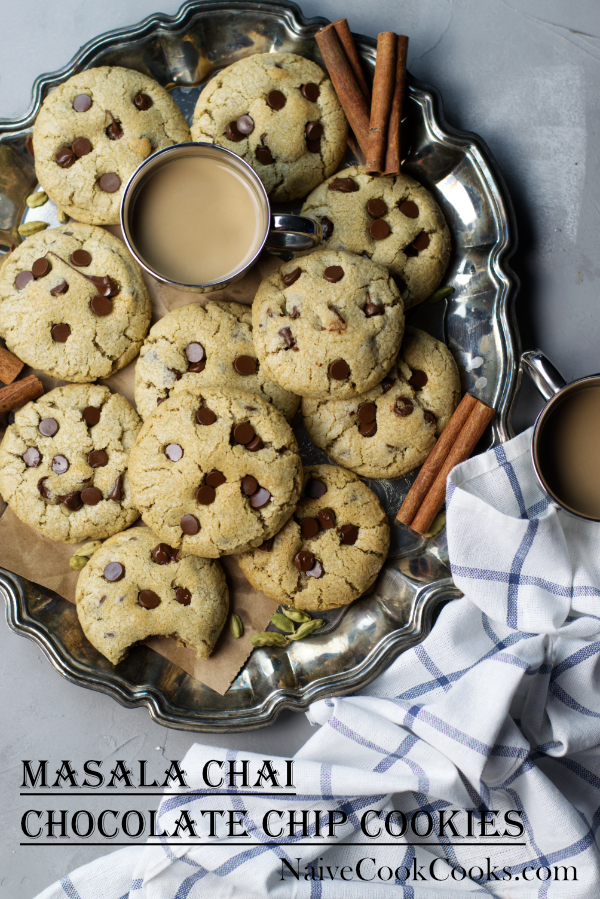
478,323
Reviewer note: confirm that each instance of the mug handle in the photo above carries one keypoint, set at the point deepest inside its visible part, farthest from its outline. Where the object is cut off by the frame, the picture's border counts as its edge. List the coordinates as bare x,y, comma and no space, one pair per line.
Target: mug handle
544,375
293,232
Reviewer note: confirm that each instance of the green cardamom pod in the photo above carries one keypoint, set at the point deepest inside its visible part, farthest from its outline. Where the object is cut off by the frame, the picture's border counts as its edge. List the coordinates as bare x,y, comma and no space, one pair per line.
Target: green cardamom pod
437,524
306,629
37,199
235,626
283,623
78,562
297,615
29,228
440,294
61,217
88,549
268,638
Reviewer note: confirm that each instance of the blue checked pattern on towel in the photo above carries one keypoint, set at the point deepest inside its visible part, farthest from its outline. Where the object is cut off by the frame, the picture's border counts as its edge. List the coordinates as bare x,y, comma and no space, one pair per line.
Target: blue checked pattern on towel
498,708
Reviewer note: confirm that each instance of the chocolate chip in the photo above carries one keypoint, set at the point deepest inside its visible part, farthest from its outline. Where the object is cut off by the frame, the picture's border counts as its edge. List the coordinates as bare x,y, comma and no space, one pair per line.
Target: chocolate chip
105,285
60,333
243,433
343,185
22,280
109,182
65,157
295,313
143,101
40,268
194,352
315,489
81,146
255,444
101,306
60,464
276,100
161,399
148,599
205,416
44,491
314,130
372,309
367,412
309,527
379,229
313,146
174,452
114,571
73,501
430,418
327,226
48,427
387,384
291,277
245,124
349,534
29,143
91,415
304,560
32,457
316,570
376,208
114,130
59,289
205,495
310,91
421,241
267,546
116,492
418,379
91,496
249,485
81,258
245,365
333,273
367,429
183,596
82,103
215,478
162,554
260,499
339,370
287,335
97,459
409,209
189,525
264,155
196,367
410,251
326,518
232,132
403,406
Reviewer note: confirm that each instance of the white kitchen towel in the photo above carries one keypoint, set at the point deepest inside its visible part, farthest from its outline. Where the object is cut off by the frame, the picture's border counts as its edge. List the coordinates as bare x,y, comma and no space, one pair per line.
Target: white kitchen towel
494,718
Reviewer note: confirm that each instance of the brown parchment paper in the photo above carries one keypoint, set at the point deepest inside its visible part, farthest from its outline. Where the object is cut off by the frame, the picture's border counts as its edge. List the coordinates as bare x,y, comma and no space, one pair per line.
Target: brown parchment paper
46,562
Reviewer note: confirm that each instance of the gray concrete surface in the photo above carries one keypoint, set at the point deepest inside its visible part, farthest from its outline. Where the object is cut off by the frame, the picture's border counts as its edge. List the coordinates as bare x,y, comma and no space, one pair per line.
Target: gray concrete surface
523,74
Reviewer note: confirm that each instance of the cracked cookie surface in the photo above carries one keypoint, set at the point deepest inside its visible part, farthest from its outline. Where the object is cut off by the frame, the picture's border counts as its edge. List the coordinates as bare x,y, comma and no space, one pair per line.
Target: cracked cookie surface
331,551
189,597
114,118
215,472
411,235
63,322
391,429
328,325
205,346
280,113
63,463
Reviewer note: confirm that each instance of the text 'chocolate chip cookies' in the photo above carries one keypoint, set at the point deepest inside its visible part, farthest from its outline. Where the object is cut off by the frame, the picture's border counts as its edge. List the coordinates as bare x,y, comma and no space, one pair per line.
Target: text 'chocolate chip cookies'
215,472
155,592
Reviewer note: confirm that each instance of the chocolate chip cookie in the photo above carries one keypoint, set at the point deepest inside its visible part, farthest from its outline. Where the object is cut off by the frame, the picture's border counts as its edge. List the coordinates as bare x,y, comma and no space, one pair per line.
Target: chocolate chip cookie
93,132
391,429
392,220
280,113
332,549
205,346
328,325
73,303
136,587
215,472
63,463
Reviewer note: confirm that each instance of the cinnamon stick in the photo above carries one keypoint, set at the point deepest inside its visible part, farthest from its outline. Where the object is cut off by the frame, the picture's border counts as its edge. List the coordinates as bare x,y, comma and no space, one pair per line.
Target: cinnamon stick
392,156
20,392
464,445
347,42
10,366
344,81
383,91
435,460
